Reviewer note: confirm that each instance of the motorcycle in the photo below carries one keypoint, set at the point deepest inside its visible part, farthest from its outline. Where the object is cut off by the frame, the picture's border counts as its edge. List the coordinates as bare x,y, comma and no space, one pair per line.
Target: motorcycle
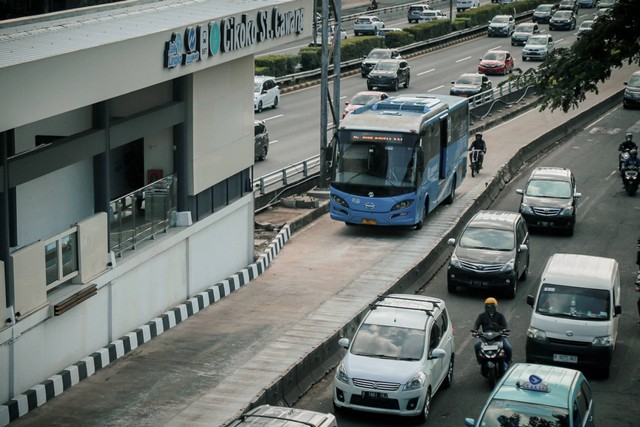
476,162
372,6
630,180
492,355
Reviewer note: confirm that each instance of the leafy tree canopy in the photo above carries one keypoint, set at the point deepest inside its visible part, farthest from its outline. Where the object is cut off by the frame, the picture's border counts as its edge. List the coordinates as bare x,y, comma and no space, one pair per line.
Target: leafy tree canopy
567,74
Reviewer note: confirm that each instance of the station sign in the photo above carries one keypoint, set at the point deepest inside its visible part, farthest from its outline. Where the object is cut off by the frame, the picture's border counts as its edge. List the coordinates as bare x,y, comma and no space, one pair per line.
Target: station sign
230,34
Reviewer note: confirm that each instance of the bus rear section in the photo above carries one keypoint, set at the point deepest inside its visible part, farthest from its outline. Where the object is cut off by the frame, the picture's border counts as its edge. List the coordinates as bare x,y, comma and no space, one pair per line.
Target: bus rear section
396,160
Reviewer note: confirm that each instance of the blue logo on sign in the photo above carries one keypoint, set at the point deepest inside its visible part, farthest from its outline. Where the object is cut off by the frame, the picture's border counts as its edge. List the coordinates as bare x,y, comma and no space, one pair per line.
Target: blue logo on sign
534,379
214,38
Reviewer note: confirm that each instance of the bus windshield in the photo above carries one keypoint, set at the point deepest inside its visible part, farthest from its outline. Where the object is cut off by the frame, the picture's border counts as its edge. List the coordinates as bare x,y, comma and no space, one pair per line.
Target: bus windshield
375,159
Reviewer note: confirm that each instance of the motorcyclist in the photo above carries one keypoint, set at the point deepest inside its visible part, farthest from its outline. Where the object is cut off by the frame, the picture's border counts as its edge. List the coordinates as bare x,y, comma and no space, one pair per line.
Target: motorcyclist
491,320
626,145
373,6
478,144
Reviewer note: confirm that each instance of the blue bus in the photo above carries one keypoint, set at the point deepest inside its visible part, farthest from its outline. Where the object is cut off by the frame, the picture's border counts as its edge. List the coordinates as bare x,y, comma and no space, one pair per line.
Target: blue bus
395,160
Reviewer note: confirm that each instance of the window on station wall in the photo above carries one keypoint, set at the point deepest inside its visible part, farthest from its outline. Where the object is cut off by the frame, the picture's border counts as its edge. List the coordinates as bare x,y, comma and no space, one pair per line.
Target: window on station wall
61,259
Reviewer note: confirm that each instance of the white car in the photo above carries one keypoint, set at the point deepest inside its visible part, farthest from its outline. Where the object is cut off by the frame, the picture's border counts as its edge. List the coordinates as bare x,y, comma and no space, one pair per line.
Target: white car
330,36
367,25
401,354
431,15
462,5
282,416
266,93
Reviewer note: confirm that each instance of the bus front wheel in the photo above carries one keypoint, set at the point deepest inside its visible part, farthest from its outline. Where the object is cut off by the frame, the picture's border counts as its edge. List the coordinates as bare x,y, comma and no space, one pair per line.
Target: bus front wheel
424,216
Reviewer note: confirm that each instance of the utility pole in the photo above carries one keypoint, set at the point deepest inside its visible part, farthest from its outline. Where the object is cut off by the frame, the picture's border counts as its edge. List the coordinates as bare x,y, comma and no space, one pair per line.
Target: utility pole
325,98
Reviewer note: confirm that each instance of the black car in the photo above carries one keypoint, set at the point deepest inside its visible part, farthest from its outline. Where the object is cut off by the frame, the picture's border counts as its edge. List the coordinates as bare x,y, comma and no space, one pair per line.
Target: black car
523,32
492,252
376,55
543,13
549,199
469,84
389,73
571,5
562,20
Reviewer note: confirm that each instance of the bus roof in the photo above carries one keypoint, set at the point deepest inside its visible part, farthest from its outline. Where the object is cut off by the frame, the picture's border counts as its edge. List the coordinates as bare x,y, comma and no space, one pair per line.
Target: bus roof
400,113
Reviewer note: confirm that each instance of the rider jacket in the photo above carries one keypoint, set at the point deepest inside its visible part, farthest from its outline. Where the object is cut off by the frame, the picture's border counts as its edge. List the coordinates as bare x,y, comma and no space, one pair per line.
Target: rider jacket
495,322
627,146
479,144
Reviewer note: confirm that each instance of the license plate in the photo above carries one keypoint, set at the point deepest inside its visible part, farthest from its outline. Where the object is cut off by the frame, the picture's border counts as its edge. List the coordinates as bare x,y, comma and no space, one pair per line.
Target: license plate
479,283
369,221
543,223
565,358
490,347
374,395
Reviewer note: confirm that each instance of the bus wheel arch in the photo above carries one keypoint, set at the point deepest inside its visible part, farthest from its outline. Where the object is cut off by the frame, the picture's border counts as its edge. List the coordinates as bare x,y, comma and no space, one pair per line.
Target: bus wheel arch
452,193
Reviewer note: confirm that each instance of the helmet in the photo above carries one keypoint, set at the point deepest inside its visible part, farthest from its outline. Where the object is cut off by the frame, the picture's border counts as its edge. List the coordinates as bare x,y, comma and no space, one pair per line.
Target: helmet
491,300
628,136
478,135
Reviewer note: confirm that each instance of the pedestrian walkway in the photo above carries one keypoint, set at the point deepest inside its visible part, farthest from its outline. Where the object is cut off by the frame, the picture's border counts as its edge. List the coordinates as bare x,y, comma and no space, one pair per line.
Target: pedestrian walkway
268,333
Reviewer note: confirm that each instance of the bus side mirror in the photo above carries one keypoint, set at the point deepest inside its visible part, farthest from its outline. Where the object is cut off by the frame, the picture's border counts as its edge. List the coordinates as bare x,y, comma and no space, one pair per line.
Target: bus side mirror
530,300
420,160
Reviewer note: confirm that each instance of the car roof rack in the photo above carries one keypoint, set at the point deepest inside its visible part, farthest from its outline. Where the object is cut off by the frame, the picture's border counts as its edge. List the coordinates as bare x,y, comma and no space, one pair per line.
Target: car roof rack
418,305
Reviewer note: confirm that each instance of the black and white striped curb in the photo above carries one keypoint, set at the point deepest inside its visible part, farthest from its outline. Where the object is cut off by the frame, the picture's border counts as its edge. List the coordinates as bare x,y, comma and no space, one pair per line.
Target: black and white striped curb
72,375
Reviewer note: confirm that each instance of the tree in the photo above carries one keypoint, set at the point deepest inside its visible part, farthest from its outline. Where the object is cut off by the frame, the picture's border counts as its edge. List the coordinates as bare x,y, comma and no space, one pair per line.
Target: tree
568,74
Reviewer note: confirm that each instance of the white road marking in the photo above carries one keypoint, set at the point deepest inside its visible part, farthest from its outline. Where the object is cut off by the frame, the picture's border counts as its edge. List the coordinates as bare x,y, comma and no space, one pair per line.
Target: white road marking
435,88
274,117
425,72
463,59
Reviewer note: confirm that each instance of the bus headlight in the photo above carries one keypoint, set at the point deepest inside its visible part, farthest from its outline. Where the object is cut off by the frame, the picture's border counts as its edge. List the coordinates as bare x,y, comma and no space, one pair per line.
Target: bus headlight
402,205
340,201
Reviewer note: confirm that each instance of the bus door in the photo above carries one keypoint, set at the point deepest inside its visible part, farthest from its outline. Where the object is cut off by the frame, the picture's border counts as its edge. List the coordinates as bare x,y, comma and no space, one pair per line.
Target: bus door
445,137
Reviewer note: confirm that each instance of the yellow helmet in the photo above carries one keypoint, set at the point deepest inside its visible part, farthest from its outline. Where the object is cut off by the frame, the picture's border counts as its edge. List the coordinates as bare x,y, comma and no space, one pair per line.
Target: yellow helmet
491,300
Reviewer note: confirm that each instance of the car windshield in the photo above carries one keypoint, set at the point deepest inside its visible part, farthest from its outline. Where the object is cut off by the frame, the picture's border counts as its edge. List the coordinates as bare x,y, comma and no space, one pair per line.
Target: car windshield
562,14
500,20
386,66
389,342
524,28
503,413
469,80
573,302
363,99
549,188
537,41
494,56
586,25
487,238
543,9
378,54
257,86
363,21
634,81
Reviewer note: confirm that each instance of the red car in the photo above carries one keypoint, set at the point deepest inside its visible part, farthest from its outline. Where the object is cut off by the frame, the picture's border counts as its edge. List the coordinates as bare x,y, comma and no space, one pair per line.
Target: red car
363,98
496,62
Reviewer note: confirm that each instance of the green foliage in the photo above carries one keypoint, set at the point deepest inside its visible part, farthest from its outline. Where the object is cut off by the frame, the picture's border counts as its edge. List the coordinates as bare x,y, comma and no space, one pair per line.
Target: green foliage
398,38
278,65
568,74
310,58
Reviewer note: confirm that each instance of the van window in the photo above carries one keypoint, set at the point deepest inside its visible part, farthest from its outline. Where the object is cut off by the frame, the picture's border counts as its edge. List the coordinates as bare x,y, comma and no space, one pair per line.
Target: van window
574,302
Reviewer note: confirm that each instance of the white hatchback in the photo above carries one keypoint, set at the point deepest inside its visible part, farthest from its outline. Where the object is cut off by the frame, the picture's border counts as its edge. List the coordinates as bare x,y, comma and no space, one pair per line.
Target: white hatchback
401,354
266,93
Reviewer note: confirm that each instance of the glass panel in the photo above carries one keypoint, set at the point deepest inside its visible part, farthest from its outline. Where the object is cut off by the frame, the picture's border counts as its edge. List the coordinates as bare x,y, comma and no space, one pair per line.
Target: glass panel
69,246
51,262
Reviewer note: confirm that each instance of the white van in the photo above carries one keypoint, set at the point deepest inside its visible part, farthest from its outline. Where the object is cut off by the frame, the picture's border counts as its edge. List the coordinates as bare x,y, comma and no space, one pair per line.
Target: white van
576,313
462,5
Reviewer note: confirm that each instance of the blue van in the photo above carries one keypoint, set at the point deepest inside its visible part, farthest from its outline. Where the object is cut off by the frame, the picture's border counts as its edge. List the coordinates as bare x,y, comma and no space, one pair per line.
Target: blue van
538,395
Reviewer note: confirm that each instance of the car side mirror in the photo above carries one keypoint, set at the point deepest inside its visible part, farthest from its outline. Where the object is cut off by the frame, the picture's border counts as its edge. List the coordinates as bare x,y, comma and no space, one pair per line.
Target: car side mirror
469,422
617,310
577,195
437,353
451,242
343,342
531,300
520,191
523,248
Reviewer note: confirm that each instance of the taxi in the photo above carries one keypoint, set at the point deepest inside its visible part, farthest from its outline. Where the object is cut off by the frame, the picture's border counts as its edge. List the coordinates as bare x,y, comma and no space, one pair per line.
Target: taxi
531,394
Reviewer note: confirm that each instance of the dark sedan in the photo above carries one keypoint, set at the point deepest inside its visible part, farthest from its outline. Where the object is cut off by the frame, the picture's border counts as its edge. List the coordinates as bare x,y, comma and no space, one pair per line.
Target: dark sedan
562,20
469,84
389,73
